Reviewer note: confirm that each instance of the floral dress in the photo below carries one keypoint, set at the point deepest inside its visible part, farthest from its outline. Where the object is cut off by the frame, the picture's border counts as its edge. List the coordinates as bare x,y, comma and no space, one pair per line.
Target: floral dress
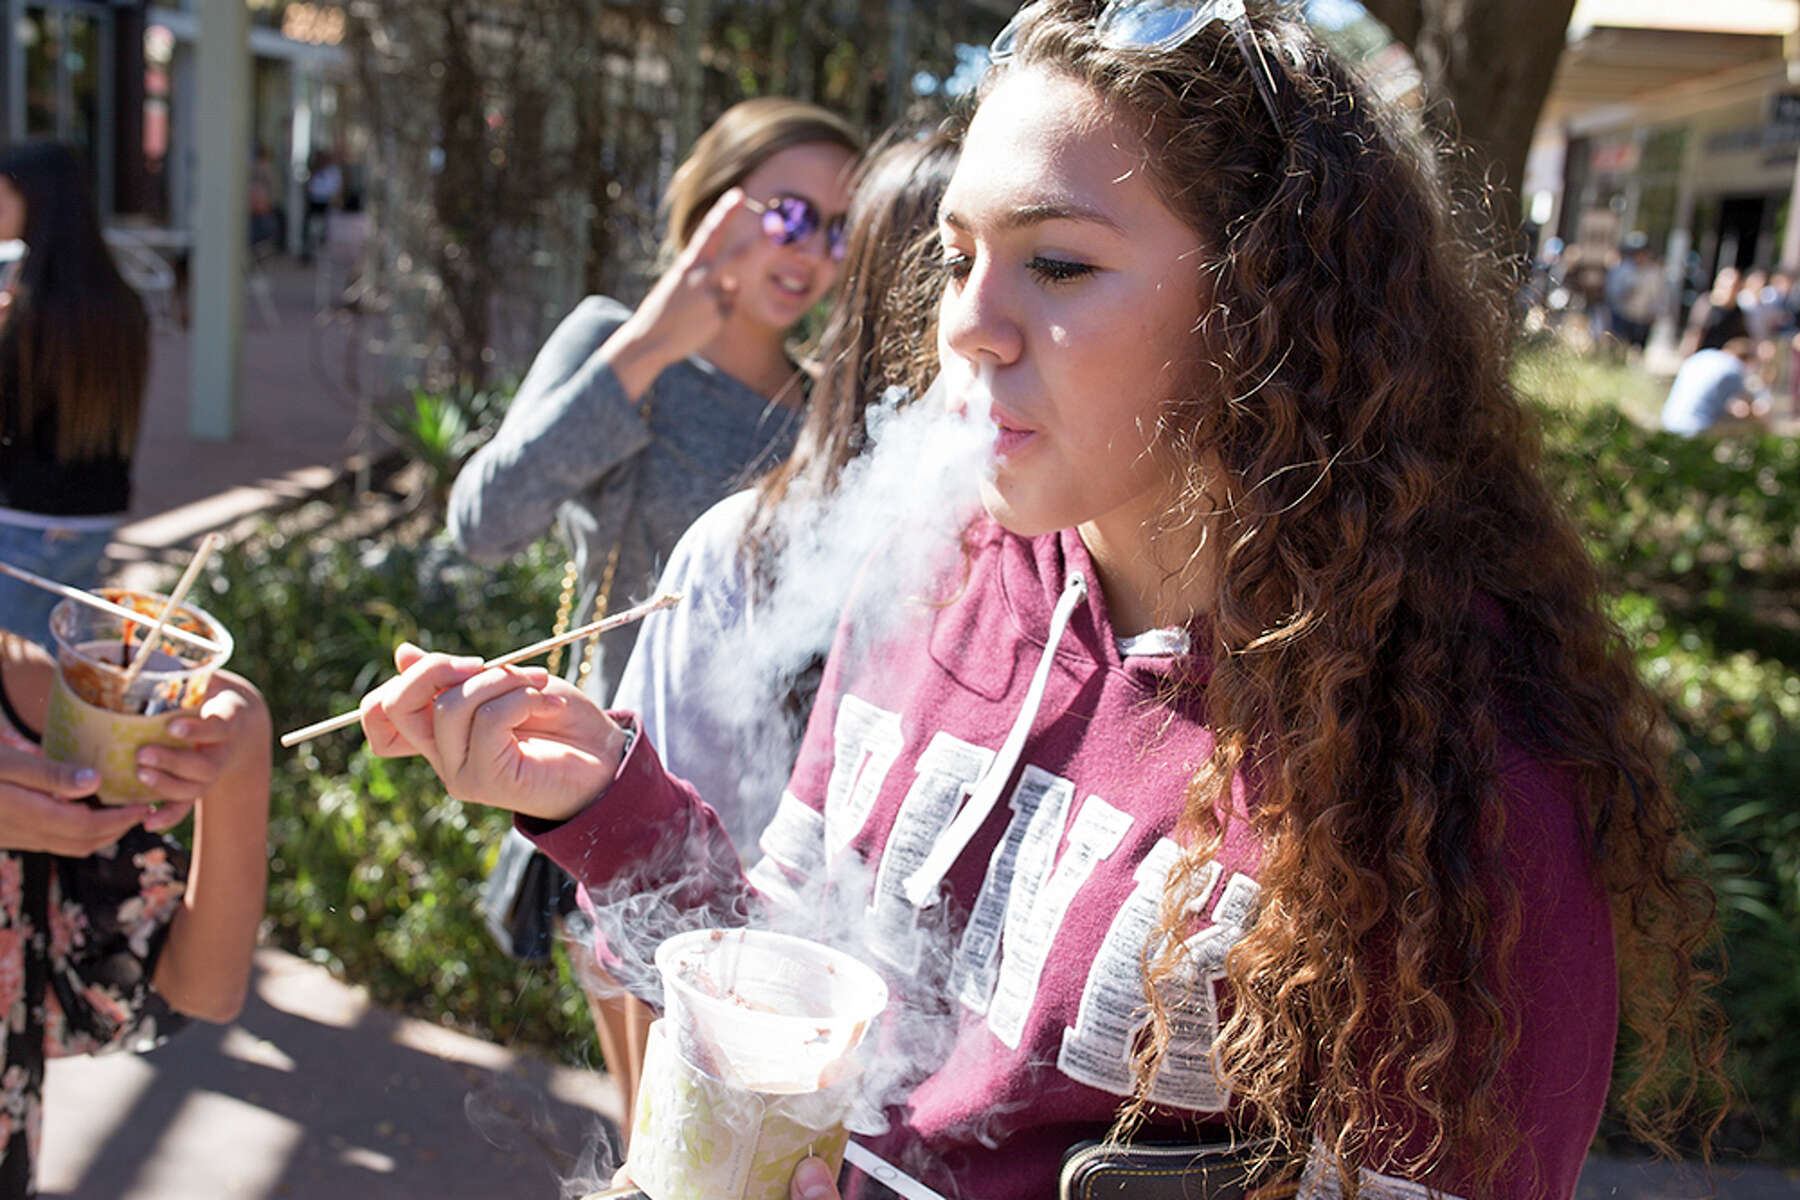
79,939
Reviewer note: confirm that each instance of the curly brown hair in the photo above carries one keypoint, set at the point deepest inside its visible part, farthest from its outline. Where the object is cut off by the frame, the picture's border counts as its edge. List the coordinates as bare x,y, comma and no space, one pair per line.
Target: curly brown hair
1400,601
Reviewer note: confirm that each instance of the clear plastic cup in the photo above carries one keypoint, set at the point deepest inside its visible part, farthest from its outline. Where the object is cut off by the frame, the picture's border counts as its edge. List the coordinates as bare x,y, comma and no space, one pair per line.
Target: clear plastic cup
698,1138
766,1012
95,719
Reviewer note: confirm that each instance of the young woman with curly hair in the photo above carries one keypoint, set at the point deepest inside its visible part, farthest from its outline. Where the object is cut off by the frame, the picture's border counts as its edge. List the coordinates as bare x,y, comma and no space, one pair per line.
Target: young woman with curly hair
1334,809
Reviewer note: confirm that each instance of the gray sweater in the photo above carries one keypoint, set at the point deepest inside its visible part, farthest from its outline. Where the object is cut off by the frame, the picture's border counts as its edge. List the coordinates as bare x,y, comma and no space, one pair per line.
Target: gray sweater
575,450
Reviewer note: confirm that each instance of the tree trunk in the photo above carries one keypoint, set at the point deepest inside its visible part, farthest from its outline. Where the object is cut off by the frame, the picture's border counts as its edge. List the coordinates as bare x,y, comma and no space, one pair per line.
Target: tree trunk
1487,66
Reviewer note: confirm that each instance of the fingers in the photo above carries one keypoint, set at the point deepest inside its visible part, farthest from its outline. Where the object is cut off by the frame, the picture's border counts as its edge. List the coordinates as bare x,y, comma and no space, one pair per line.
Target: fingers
522,740
711,239
214,727
175,773
32,820
501,698
28,768
81,831
812,1181
398,716
168,816
715,251
500,751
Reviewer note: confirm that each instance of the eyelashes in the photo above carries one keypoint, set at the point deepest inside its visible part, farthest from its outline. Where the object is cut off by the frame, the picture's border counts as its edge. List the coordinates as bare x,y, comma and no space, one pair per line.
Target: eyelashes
1050,270
1057,270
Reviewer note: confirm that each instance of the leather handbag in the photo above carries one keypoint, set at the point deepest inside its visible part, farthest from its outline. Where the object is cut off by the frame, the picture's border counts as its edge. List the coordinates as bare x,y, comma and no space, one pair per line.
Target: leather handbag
520,899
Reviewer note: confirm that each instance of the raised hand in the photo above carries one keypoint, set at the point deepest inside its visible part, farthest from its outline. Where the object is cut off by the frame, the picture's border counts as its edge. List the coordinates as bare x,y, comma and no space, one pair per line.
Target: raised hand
691,301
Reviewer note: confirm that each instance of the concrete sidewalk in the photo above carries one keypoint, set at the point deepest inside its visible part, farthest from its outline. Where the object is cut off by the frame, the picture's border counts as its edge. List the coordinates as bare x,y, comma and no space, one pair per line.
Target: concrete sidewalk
297,422
313,1094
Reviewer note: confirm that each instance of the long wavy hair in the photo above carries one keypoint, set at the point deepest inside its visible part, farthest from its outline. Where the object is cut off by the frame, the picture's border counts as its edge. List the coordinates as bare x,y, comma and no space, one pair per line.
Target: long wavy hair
1399,599
74,342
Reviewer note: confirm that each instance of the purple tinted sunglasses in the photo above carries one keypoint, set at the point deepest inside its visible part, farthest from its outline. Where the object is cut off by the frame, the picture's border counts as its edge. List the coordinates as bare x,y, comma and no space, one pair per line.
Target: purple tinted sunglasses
790,219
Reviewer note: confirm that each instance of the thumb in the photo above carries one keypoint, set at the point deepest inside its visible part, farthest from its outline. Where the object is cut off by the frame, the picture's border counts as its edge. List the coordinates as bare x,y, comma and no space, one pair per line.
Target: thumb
40,774
812,1181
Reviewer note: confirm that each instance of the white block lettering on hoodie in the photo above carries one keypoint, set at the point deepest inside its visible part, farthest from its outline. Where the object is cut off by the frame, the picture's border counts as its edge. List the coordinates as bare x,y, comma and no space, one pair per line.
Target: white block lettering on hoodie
1040,805
946,771
865,742
1097,1050
1036,913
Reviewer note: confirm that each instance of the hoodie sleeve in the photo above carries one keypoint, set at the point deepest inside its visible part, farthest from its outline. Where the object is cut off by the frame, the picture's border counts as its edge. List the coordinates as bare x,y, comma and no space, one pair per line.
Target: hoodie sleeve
649,832
567,427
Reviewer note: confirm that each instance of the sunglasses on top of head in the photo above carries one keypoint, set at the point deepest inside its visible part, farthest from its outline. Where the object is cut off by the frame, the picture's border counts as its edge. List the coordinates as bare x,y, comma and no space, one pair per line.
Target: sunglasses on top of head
1163,25
790,219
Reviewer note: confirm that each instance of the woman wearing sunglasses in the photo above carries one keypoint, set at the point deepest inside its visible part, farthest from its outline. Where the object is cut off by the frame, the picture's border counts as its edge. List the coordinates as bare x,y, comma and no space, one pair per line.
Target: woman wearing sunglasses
631,423
1268,764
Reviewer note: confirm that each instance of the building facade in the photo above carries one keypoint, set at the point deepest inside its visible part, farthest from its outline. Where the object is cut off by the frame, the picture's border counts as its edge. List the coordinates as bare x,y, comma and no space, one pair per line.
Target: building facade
116,79
1678,124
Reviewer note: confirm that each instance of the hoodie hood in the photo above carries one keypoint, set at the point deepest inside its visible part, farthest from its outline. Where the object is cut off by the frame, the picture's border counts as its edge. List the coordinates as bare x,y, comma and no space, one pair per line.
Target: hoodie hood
1033,573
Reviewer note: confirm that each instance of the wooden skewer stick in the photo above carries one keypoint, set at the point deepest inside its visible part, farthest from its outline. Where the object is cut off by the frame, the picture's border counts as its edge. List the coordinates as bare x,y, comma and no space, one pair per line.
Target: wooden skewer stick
106,606
606,624
142,657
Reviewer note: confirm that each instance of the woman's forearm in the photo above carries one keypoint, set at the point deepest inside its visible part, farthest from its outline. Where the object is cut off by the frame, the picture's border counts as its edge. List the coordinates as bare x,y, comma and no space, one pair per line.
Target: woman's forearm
636,359
204,969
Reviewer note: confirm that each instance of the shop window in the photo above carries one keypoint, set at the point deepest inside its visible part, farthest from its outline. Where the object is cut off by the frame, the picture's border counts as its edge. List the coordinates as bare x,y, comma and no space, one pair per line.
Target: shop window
66,50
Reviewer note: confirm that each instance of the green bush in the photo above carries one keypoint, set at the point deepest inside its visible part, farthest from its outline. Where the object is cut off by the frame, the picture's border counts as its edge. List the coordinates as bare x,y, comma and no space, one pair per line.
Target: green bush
373,871
1702,537
1699,513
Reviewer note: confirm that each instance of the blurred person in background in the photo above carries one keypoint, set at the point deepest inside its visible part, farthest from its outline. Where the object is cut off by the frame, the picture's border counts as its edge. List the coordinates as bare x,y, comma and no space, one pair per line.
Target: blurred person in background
1754,298
324,192
1717,391
1635,292
1716,317
633,422
74,362
265,217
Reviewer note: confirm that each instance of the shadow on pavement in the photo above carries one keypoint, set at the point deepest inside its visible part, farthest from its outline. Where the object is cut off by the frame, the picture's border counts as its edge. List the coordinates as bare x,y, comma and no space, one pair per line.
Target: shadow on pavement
315,1095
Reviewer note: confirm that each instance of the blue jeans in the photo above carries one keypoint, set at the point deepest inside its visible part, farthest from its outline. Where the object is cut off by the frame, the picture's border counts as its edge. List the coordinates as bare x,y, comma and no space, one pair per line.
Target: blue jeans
64,555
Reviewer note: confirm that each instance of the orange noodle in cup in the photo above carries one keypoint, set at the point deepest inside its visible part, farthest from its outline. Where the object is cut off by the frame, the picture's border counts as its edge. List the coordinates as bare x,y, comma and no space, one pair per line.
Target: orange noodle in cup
99,714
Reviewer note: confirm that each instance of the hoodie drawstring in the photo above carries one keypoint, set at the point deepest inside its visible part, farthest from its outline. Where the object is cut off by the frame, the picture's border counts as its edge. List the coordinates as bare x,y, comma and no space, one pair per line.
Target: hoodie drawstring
921,887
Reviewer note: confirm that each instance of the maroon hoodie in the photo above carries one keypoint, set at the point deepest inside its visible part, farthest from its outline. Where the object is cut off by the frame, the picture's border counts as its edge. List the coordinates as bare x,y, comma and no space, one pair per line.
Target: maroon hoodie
1033,947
